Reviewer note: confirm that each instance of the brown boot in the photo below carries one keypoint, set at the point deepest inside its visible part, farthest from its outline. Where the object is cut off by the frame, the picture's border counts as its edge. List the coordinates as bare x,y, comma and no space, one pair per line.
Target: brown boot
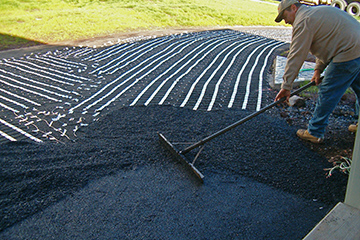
305,135
353,127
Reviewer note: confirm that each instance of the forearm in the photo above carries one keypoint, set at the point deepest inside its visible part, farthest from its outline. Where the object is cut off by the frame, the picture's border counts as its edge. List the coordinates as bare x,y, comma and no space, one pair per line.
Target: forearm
320,66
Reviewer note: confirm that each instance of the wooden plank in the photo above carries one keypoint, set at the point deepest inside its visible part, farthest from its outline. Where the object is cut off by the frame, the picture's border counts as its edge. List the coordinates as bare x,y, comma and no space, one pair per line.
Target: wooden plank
342,222
352,197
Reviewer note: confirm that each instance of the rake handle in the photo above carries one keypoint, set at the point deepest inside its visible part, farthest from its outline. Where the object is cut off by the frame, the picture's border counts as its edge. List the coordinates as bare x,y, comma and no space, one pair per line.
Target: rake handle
224,130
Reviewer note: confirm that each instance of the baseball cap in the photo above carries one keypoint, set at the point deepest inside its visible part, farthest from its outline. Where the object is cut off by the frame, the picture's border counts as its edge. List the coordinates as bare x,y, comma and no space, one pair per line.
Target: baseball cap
284,4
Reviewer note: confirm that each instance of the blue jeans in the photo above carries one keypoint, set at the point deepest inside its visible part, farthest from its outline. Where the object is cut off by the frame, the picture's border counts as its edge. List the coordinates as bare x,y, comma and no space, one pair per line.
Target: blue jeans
338,78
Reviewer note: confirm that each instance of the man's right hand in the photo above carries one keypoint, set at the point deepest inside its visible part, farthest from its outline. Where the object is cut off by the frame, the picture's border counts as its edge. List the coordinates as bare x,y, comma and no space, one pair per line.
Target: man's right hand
283,93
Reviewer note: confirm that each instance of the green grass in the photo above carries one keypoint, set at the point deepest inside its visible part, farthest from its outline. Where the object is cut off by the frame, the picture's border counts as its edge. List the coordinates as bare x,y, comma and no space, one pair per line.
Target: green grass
308,92
52,21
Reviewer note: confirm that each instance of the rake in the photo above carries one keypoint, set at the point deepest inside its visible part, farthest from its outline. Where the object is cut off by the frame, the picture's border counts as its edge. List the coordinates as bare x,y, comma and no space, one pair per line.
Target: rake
180,154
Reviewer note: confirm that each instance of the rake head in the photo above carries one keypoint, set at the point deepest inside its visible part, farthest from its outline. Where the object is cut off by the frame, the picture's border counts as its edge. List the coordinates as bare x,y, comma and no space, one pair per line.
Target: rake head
180,157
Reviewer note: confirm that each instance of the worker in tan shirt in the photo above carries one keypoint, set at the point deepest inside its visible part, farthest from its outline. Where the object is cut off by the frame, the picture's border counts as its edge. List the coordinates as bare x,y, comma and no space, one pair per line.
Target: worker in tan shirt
333,37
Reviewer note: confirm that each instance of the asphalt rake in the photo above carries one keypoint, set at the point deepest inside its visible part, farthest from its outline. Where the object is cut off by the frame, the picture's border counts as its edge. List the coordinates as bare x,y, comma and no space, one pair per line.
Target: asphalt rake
180,155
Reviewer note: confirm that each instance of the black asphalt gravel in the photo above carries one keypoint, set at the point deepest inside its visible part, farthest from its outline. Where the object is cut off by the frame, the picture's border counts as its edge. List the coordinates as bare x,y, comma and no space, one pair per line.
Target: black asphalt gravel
117,182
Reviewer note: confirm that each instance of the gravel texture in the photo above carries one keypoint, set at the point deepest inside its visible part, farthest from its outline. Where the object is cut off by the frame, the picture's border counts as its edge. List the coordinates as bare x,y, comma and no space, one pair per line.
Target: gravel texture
264,149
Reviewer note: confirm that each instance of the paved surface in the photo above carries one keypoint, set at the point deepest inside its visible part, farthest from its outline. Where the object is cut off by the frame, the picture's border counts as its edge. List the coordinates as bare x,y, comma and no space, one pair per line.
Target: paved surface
305,74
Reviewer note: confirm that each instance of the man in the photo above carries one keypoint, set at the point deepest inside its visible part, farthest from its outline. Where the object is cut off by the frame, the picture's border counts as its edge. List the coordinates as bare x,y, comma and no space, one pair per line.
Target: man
333,37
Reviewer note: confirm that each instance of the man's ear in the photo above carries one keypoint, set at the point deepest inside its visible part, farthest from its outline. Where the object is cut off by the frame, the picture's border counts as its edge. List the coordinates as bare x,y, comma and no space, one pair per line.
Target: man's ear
294,8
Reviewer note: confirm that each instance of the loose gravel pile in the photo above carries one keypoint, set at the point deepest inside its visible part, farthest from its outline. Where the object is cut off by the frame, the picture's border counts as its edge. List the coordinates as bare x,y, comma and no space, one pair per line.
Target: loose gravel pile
35,176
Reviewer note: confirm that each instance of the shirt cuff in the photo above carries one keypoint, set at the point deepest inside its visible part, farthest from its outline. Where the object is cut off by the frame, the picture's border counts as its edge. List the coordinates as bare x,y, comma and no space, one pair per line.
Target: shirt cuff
286,86
320,66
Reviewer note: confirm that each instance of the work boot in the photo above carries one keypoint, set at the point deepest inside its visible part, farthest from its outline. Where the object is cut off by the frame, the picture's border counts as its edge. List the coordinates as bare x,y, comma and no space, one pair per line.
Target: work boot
353,127
305,135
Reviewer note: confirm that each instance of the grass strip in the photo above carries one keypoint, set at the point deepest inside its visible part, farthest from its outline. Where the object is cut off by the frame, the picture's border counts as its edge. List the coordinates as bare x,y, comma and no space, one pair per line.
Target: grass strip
49,21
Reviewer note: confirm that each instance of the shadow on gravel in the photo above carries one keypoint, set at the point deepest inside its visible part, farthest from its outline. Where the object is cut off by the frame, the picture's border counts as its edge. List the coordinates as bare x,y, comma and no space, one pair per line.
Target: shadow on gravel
35,176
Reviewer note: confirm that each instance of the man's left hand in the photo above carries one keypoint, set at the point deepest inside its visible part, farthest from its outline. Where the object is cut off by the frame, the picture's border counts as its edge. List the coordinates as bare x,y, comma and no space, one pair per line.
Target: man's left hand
316,77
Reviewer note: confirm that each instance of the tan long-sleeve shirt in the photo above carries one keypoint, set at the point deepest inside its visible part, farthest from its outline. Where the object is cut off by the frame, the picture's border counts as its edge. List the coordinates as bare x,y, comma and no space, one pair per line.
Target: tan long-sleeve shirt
328,33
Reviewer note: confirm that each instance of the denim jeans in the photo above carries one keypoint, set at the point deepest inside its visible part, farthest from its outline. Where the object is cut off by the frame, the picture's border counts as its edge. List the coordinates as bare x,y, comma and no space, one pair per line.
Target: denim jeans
338,78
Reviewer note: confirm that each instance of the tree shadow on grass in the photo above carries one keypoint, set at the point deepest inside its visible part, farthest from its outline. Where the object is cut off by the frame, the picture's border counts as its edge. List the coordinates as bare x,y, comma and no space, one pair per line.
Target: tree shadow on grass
8,42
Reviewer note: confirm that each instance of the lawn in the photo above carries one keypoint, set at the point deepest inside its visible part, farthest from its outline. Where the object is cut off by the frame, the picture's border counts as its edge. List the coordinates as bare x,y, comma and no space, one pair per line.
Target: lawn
31,21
